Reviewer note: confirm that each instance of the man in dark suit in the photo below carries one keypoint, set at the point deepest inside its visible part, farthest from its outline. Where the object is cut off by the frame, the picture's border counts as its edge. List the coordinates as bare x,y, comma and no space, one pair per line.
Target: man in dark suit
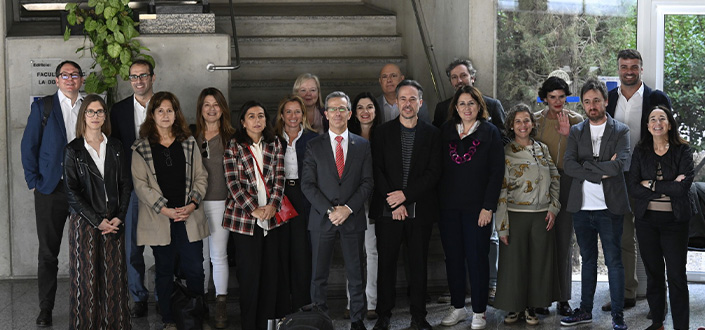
126,117
595,157
462,73
337,180
407,165
389,78
42,148
631,103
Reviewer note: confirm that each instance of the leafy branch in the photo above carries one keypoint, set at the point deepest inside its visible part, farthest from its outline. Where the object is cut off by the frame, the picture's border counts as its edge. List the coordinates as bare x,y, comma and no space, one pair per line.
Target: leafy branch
109,26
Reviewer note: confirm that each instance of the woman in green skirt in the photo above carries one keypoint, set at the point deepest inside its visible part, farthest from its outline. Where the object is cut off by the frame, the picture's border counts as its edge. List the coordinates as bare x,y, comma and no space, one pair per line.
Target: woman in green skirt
529,198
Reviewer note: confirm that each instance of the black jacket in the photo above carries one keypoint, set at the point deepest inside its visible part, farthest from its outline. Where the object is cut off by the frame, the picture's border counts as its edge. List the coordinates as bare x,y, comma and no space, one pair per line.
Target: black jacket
677,160
652,98
423,174
86,188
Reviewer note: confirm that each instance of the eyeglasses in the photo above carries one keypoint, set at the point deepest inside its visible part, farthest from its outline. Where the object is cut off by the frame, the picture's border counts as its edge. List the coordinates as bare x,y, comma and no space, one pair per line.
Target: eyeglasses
341,109
91,113
134,77
167,156
206,149
67,76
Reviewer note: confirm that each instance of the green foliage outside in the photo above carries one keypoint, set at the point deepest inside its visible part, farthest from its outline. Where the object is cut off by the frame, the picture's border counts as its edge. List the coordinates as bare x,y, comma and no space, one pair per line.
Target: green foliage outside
684,74
532,42
110,28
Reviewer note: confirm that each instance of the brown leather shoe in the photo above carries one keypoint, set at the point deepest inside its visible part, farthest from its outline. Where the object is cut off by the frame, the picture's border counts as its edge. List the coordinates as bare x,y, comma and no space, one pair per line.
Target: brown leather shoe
221,312
628,303
371,315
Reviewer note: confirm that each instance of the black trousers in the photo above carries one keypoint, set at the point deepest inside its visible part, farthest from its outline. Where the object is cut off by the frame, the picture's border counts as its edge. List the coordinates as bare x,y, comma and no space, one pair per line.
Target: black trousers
262,275
299,247
51,212
390,235
661,238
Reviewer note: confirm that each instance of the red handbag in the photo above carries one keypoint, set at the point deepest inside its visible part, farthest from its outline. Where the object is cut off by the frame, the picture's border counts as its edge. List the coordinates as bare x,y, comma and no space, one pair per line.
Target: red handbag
286,209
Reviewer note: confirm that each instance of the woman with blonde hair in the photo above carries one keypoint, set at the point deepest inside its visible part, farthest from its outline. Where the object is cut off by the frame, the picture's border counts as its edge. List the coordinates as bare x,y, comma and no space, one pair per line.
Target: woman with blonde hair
308,88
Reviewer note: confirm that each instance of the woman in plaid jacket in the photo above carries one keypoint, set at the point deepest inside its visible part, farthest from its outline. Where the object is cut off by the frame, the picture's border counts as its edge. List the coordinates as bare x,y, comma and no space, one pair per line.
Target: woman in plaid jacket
254,175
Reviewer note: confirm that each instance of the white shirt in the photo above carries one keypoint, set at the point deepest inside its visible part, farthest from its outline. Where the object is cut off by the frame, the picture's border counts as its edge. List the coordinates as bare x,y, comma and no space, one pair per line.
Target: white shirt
261,189
291,163
98,156
70,114
629,112
140,114
343,143
593,194
391,111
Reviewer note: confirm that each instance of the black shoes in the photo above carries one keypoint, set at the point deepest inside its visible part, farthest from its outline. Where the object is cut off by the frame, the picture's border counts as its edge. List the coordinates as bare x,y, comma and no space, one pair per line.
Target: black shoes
541,310
419,324
628,303
382,323
44,318
564,308
139,309
357,325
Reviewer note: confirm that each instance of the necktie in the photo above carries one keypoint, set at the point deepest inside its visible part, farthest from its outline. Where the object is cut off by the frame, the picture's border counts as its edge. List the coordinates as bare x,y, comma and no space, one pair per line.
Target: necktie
339,158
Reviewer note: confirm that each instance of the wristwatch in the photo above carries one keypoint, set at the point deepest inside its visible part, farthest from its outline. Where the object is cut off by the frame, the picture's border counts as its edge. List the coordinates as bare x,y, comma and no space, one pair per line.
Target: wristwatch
330,210
195,203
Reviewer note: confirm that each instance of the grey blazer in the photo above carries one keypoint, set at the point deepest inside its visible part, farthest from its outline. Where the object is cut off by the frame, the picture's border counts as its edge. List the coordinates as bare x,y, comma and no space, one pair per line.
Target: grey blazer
580,165
323,188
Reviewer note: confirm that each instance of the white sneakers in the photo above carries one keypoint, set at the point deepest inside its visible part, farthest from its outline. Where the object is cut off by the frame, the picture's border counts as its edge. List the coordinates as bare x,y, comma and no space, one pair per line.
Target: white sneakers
456,316
478,321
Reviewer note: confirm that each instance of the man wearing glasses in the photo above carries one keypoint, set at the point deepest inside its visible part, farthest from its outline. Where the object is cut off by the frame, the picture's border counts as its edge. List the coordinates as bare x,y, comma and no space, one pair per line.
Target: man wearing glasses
126,117
50,126
337,180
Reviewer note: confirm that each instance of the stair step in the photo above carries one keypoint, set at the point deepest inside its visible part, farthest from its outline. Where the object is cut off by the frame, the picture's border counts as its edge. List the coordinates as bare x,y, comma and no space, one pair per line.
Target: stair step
283,47
324,68
308,25
270,92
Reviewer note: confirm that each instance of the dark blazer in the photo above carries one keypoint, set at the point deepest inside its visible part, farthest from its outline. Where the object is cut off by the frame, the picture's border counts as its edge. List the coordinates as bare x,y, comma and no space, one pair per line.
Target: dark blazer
86,188
651,98
578,163
676,161
423,174
323,188
300,146
475,183
122,122
43,150
494,108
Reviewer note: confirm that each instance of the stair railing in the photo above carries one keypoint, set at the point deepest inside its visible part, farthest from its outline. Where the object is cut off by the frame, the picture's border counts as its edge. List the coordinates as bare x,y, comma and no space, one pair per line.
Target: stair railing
428,49
212,67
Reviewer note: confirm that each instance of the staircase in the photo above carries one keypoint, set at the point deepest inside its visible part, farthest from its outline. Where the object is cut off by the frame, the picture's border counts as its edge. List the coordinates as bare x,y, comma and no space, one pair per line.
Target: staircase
345,43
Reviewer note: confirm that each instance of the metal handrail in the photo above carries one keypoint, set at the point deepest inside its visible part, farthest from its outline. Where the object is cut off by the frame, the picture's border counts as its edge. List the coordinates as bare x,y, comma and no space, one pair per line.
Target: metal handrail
212,67
428,49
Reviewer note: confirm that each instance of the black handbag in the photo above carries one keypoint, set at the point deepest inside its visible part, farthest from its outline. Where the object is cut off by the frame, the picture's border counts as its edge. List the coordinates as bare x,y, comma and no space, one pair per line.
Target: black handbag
187,308
310,317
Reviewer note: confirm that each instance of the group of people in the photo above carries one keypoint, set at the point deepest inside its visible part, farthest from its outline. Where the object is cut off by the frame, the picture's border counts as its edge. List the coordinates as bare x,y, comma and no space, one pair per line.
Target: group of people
373,173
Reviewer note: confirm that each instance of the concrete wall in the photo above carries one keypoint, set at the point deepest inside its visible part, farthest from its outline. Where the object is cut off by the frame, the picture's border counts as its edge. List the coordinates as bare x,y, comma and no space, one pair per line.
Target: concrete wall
181,62
457,28
5,247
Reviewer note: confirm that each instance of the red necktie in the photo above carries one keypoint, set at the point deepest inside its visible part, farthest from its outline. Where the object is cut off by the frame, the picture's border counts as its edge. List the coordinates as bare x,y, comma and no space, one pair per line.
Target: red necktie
339,158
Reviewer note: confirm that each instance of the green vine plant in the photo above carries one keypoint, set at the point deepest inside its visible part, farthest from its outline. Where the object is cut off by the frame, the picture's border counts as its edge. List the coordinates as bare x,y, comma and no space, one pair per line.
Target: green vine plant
109,26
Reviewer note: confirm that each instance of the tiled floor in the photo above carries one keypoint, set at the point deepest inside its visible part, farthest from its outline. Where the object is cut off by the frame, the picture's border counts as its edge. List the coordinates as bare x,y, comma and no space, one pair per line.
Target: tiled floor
18,309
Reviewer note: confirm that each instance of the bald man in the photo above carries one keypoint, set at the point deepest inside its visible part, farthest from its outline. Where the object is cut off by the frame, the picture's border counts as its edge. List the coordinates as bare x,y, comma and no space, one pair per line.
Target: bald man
389,77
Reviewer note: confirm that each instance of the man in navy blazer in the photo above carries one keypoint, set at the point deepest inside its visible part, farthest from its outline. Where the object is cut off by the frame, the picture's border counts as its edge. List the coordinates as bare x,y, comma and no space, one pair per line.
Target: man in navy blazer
42,148
631,104
595,157
406,157
337,180
126,117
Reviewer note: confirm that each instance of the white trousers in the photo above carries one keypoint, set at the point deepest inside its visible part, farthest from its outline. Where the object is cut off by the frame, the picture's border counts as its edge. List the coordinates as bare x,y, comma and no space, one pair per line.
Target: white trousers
215,247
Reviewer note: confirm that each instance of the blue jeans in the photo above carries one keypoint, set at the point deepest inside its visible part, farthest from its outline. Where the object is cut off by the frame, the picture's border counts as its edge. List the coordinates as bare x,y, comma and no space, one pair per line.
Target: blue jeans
135,258
588,225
